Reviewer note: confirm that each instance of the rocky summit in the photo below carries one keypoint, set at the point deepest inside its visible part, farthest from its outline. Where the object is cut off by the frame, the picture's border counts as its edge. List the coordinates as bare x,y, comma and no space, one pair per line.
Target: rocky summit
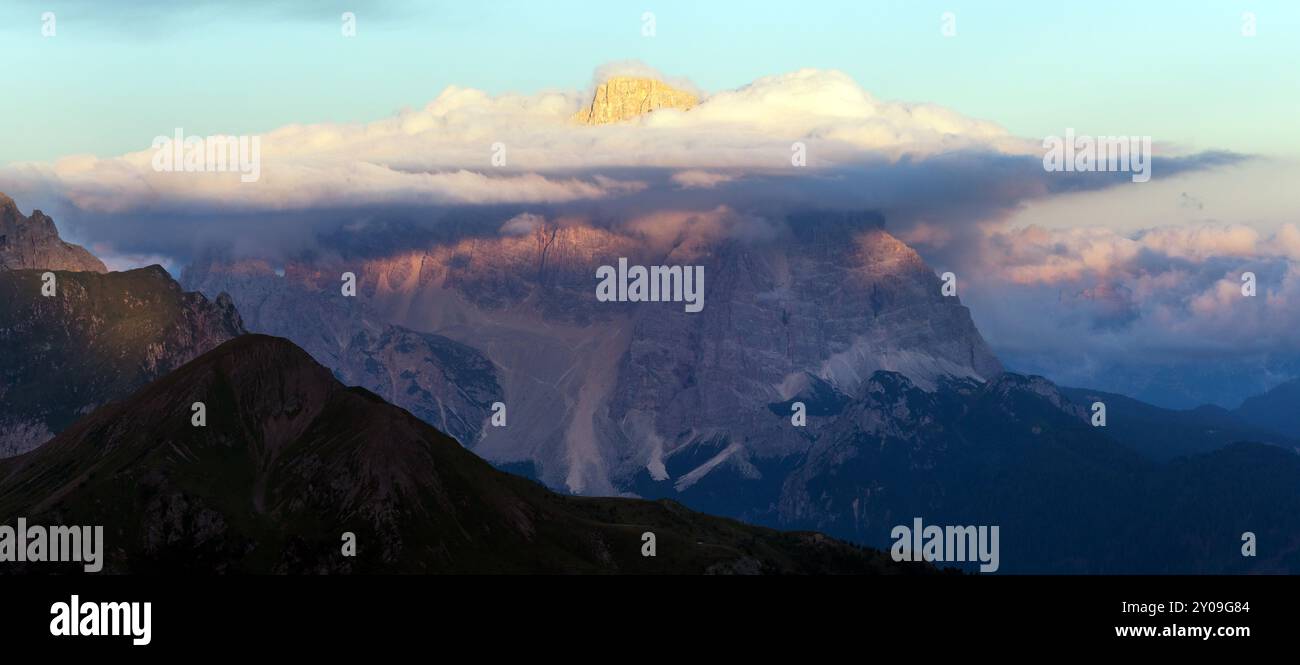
34,243
624,98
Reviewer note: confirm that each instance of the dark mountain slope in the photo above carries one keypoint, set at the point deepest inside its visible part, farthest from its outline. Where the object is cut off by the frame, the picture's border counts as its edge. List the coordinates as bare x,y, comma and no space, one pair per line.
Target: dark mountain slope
1164,434
1208,501
1016,453
1278,409
100,337
290,459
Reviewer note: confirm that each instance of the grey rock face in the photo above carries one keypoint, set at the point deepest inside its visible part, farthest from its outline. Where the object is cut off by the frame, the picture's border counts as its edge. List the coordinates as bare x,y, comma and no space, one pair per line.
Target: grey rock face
447,384
600,393
34,243
835,306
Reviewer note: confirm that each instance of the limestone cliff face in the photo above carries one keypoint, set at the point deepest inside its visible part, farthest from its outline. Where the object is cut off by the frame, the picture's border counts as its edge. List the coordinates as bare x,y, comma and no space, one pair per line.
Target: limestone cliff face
602,393
33,243
445,383
623,98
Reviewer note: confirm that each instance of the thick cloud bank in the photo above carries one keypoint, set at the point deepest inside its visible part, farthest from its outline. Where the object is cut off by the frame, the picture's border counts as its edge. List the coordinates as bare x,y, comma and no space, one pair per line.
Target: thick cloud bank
468,147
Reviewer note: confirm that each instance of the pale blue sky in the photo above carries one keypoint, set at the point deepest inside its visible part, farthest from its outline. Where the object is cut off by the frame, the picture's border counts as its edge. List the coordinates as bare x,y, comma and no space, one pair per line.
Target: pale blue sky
119,73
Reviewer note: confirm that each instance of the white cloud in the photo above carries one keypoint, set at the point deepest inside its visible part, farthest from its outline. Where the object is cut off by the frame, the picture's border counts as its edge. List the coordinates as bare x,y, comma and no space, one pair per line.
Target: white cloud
1145,295
522,224
444,152
701,179
1033,254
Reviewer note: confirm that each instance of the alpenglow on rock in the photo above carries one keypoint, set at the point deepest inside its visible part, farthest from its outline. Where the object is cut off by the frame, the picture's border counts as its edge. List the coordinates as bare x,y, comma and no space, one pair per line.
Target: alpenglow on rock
33,243
624,97
447,384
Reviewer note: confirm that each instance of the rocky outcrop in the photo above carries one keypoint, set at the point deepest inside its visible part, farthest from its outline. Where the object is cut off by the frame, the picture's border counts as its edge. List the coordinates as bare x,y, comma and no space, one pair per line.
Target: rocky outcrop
623,98
1275,409
34,243
446,383
97,339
